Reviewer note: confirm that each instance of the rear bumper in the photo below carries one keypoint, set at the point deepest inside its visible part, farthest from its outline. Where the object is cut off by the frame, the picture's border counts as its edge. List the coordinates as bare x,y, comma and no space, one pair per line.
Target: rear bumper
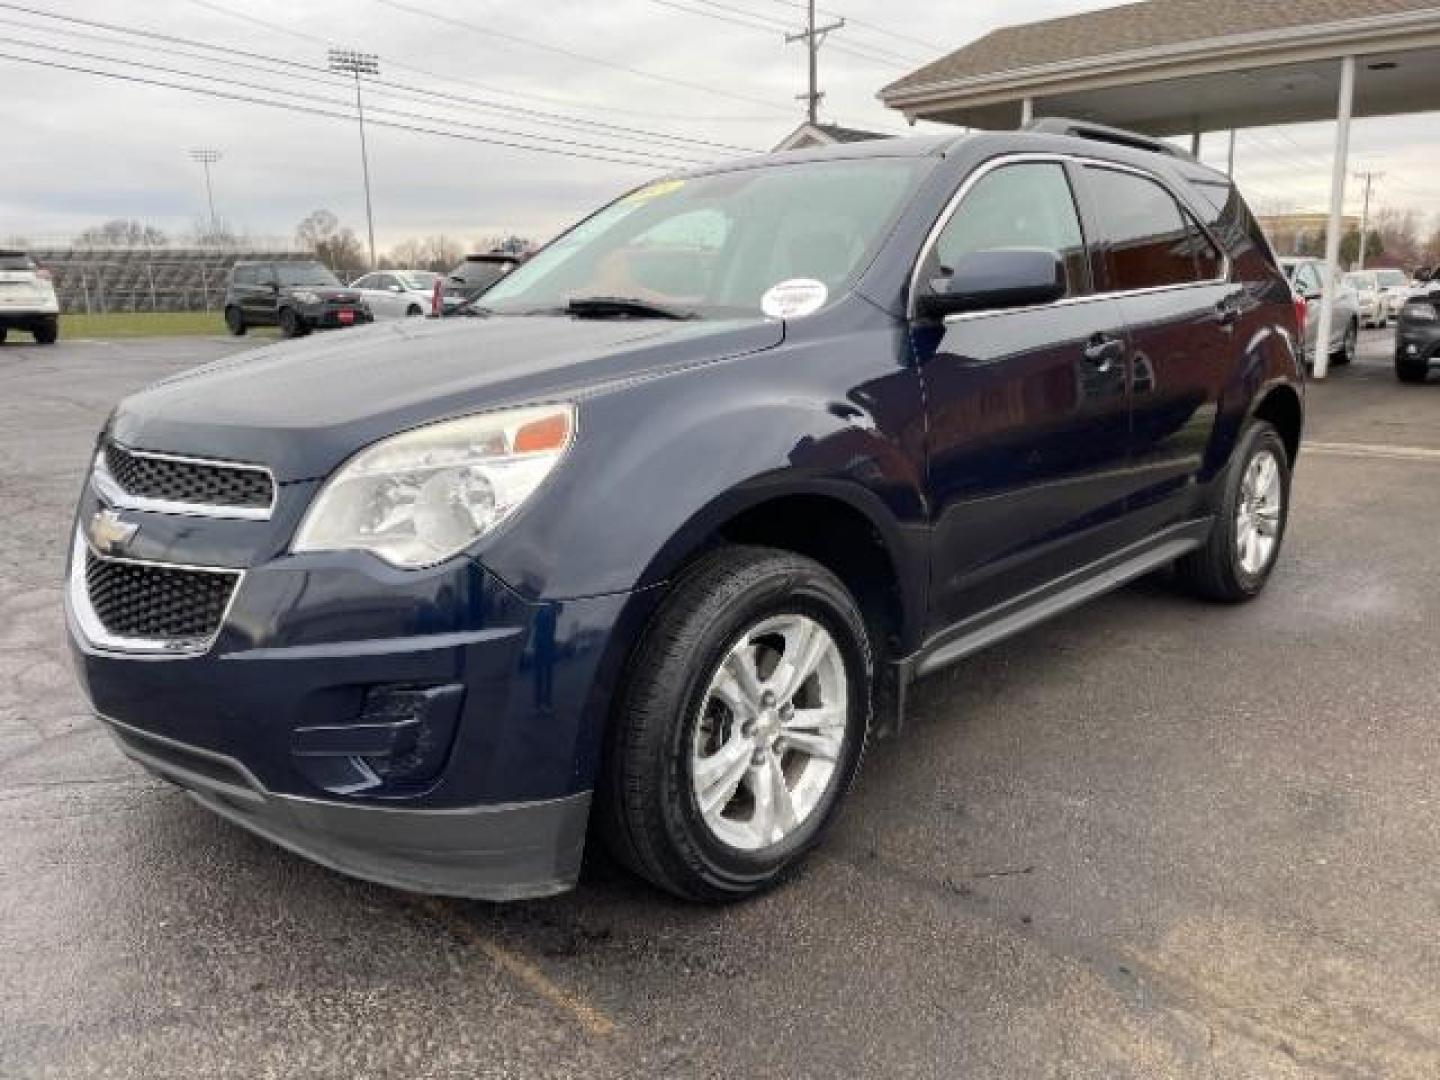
15,319
493,852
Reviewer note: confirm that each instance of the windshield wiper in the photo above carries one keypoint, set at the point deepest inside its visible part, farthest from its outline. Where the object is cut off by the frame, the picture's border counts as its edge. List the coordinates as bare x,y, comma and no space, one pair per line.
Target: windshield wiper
623,307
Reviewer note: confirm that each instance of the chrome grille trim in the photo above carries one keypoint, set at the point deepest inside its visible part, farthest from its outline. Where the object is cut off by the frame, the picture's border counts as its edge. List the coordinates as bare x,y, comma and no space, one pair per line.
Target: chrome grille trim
109,488
87,622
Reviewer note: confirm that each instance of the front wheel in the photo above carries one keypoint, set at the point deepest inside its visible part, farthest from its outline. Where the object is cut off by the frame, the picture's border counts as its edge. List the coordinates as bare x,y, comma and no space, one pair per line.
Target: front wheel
46,332
235,321
414,312
291,325
1244,543
740,727
1411,371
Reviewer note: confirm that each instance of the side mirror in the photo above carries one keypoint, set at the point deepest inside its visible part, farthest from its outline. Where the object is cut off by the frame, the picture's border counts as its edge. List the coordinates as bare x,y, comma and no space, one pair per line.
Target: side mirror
1004,278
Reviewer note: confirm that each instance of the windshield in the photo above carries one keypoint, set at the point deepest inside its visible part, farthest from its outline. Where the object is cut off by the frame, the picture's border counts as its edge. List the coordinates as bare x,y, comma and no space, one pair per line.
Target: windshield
1361,281
16,262
421,280
1390,278
714,245
304,274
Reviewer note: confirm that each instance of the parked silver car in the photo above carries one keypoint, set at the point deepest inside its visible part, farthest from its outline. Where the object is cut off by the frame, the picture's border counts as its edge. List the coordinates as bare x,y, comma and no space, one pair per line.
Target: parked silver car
1374,305
1395,287
397,294
1307,278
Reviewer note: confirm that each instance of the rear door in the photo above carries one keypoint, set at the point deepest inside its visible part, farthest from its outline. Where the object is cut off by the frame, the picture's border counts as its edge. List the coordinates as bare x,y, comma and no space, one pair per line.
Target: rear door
1181,313
1027,409
259,294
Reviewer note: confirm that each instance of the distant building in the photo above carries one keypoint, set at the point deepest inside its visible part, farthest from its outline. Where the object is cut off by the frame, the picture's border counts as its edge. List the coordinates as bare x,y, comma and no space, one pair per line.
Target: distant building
809,135
1302,233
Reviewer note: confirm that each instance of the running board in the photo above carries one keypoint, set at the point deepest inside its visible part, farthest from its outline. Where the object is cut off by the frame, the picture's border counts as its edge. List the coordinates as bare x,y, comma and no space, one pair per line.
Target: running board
1014,616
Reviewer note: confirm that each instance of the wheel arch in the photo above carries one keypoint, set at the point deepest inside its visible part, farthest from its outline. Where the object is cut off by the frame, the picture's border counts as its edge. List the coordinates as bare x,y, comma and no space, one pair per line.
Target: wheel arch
1281,407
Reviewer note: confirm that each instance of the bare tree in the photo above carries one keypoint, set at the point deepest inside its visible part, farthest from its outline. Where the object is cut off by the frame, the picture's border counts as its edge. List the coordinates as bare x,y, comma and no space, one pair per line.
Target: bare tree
122,232
334,244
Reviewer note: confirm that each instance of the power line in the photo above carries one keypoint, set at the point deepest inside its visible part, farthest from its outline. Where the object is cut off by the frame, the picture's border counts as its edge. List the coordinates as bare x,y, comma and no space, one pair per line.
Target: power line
288,106
660,157
743,17
878,51
319,75
490,32
928,46
218,9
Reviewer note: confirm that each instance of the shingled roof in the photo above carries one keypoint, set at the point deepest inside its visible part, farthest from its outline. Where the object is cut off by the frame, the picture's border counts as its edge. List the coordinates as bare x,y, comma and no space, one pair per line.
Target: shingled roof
1150,24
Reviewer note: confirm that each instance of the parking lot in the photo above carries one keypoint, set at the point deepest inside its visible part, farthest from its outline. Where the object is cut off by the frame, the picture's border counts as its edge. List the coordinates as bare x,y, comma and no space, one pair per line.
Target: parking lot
1150,839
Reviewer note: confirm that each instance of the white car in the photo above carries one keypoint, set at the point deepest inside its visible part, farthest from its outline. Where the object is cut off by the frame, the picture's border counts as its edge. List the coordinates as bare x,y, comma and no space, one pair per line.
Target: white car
1374,305
397,294
27,299
1395,288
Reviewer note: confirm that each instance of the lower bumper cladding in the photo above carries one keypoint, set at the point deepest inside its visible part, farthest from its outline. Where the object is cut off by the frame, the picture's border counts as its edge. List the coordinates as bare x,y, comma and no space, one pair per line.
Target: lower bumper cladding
500,852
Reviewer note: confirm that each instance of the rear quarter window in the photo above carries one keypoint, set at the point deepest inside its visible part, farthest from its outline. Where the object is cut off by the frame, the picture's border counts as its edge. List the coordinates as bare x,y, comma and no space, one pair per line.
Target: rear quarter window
16,262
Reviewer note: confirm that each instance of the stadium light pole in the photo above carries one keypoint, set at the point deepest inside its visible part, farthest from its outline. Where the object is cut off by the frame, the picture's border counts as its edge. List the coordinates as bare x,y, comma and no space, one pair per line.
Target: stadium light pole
207,158
348,62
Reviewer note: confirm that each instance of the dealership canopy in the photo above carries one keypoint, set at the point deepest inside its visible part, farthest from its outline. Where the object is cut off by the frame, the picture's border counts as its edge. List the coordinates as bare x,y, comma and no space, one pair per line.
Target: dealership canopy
1183,67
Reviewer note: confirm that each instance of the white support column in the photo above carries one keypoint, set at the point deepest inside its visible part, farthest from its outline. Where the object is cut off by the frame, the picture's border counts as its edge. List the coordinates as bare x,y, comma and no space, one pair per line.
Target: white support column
1337,216
1027,110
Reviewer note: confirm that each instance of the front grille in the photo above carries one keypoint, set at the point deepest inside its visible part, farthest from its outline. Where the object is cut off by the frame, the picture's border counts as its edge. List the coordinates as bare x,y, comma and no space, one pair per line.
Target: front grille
196,483
143,601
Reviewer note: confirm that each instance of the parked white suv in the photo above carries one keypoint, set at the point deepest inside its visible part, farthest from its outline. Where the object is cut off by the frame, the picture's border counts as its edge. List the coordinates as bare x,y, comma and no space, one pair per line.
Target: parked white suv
27,299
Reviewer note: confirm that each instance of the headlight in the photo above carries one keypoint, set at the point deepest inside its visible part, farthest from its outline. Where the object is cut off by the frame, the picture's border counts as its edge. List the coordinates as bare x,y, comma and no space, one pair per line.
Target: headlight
417,499
1420,312
306,297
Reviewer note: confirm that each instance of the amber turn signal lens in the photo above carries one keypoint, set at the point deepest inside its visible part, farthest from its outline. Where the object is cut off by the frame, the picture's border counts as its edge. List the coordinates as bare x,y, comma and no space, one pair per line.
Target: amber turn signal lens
548,433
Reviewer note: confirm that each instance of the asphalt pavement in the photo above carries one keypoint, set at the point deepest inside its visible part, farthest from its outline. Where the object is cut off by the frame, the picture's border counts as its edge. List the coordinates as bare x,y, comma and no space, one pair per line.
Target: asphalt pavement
1154,838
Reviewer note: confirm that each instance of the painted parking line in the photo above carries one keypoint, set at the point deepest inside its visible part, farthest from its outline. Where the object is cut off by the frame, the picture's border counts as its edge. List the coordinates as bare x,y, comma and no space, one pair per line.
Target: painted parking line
590,1018
1372,450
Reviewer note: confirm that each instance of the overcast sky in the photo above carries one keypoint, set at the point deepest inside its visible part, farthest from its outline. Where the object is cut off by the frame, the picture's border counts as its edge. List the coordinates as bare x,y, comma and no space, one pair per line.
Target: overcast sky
81,149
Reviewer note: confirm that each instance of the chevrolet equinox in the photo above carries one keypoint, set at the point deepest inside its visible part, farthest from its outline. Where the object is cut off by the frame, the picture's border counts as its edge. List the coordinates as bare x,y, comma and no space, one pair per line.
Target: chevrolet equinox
653,545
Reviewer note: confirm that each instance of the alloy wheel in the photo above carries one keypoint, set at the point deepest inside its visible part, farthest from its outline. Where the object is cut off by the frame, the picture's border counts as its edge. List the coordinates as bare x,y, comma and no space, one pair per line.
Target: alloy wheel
1257,518
770,733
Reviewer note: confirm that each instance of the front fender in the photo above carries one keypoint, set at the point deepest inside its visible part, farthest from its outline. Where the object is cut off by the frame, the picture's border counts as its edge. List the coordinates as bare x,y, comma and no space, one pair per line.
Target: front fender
659,465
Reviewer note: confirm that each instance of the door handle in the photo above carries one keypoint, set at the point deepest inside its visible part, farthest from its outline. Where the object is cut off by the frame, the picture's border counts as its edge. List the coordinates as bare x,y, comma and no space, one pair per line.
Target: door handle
1104,351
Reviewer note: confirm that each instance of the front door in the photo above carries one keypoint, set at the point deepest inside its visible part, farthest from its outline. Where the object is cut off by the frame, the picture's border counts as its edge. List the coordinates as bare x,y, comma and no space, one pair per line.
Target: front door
1028,409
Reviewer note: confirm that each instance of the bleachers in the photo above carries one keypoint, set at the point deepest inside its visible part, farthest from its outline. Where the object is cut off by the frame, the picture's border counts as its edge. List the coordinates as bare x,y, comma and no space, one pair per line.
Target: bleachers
146,278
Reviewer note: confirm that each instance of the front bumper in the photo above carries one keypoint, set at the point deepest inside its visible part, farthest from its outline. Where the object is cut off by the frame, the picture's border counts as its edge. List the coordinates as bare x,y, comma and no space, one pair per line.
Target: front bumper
1417,342
329,316
273,722
492,852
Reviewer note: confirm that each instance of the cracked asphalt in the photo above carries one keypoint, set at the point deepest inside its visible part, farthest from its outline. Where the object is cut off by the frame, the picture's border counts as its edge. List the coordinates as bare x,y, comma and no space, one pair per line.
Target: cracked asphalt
1153,838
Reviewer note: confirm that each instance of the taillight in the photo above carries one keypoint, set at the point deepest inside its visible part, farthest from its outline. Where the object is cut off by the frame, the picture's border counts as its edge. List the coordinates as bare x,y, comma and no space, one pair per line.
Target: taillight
42,274
1302,309
437,298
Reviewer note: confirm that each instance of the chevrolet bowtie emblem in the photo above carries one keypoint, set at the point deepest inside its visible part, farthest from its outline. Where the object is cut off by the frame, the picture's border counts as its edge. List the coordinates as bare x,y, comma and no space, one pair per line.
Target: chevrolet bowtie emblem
110,533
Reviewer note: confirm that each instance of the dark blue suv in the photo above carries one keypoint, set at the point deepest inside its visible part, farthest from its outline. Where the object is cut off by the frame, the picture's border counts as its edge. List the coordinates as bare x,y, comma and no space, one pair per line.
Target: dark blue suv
655,544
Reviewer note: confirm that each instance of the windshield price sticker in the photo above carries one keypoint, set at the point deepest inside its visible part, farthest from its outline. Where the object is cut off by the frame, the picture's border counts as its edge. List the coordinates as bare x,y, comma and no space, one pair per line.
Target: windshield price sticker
794,299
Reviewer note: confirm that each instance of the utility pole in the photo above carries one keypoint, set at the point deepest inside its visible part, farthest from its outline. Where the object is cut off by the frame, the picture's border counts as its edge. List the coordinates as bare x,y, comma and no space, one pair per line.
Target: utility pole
208,158
357,64
814,37
1369,177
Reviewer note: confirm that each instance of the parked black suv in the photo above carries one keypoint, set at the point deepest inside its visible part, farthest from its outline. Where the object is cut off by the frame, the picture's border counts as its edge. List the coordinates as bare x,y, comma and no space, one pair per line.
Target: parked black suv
667,533
1417,336
296,296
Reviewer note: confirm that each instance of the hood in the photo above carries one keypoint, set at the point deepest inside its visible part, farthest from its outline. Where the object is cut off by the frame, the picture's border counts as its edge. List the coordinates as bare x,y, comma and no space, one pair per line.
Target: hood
302,407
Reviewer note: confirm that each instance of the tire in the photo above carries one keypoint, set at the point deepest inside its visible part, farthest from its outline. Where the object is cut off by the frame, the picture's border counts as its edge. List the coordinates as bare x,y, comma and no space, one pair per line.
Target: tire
415,311
46,332
291,325
235,321
674,713
1411,371
4,333
1221,570
1346,353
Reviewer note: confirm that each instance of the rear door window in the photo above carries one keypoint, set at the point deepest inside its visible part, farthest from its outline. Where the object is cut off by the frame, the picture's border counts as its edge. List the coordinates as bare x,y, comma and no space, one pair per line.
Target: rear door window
12,262
1147,239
